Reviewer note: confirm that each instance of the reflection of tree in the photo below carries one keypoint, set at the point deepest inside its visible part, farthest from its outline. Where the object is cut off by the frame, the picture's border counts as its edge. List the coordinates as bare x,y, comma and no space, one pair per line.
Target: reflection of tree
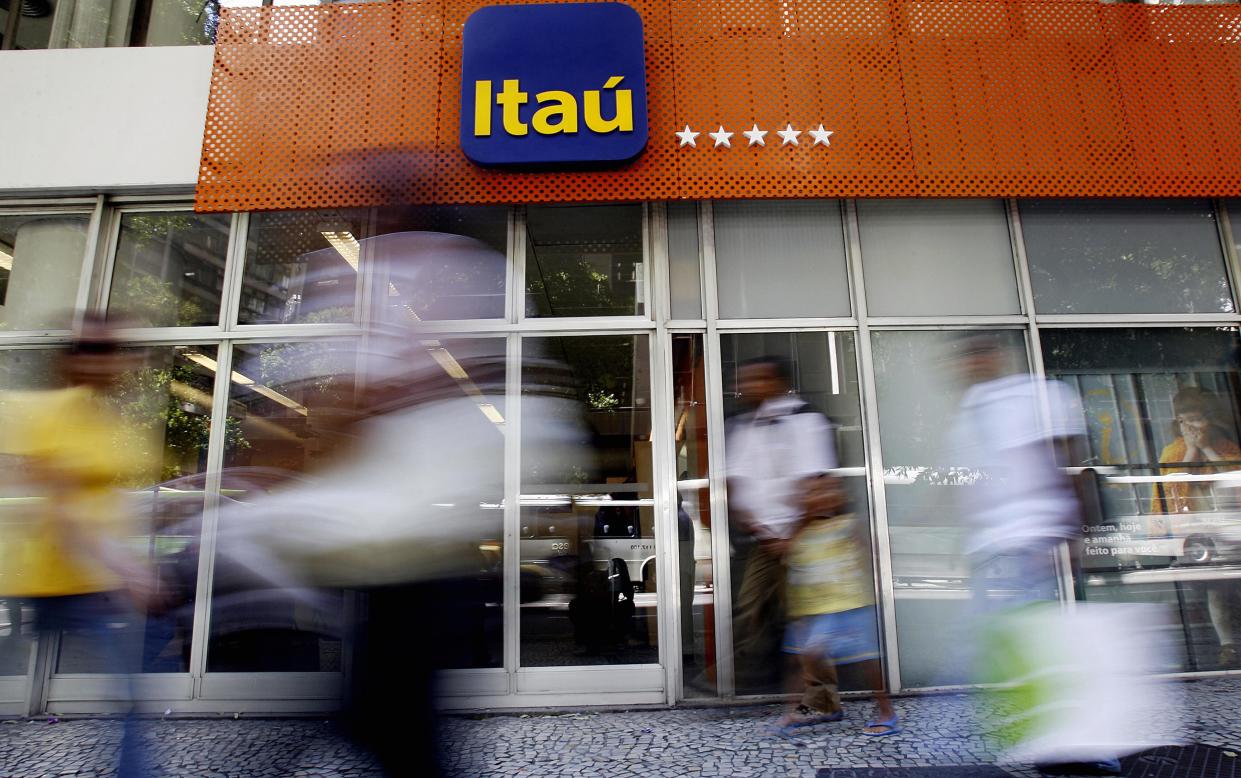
603,370
1088,257
147,399
1162,350
314,365
143,229
577,286
574,283
594,376
438,293
182,248
155,302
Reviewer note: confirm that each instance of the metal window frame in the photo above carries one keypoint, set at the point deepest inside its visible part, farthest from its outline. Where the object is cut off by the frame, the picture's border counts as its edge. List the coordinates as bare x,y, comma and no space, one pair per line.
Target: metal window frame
513,684
881,545
92,209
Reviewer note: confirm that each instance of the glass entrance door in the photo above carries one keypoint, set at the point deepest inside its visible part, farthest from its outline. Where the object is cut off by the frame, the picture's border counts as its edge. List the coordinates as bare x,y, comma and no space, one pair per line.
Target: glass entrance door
588,588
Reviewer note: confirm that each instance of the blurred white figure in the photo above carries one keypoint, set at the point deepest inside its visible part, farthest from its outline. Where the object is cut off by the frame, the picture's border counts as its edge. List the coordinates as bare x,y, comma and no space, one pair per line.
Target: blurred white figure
400,511
1079,679
1012,433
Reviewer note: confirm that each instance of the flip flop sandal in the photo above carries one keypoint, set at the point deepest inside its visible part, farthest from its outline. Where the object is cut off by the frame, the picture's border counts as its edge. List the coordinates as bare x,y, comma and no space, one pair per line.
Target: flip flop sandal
891,727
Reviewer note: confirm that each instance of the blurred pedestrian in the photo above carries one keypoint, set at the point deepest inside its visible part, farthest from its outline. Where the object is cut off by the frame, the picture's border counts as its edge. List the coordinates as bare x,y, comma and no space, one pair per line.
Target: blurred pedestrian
401,513
1015,433
831,602
66,555
398,518
771,449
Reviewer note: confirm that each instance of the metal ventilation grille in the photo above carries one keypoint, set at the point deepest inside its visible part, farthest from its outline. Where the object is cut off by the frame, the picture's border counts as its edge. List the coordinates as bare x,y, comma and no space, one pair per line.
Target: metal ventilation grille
357,104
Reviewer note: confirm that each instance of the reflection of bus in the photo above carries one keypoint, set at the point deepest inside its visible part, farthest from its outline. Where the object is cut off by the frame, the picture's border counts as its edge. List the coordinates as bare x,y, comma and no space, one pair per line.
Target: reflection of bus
1155,539
559,531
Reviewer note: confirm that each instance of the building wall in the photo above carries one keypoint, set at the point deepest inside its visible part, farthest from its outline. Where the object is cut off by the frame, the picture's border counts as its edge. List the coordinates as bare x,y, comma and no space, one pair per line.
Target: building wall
90,120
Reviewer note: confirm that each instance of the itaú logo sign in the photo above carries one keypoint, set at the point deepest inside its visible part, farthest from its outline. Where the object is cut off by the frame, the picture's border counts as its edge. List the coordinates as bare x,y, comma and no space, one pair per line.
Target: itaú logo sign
545,86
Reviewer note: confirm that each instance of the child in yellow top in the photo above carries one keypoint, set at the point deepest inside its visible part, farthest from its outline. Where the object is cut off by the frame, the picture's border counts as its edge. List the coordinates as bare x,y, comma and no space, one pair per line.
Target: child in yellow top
831,604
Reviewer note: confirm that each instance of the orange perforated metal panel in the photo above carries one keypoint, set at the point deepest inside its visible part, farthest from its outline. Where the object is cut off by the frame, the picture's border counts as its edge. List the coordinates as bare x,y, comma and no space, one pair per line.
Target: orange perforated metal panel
358,104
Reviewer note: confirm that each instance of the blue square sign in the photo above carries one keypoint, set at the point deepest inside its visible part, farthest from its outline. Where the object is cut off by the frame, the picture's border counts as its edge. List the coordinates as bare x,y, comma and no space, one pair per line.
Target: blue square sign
555,85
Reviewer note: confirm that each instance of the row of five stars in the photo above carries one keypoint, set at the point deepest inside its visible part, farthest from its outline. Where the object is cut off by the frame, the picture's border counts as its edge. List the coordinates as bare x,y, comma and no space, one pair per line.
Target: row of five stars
756,137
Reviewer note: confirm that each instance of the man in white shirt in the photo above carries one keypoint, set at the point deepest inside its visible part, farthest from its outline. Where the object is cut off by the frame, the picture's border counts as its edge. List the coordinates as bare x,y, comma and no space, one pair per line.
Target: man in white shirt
1015,431
770,450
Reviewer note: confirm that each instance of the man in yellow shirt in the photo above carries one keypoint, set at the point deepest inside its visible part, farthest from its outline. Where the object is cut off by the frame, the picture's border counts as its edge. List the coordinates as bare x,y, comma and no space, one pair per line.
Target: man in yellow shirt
62,549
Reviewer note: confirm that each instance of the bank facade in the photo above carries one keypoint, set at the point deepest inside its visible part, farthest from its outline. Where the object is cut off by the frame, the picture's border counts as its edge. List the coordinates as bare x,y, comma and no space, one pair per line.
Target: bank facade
846,187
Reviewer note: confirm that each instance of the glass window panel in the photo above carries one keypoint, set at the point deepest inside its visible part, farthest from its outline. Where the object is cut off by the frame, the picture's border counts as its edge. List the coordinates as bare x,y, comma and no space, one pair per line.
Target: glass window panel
694,518
585,260
468,611
1233,208
937,257
96,23
458,438
822,371
40,269
90,24
1163,412
21,370
919,388
441,262
430,263
31,28
684,250
588,586
780,259
485,223
1125,256
16,636
170,268
178,22
288,407
167,396
302,267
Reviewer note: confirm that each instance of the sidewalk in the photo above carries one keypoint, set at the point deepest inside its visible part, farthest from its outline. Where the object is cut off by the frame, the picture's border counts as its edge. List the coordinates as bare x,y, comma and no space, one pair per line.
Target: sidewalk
724,741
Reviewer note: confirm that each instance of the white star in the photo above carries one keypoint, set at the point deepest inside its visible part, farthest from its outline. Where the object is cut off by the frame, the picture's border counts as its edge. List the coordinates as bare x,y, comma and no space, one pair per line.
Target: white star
756,136
722,137
821,135
789,135
686,136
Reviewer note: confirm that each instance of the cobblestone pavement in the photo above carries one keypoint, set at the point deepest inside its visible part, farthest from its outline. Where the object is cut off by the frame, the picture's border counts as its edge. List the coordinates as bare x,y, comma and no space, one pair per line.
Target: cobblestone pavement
724,741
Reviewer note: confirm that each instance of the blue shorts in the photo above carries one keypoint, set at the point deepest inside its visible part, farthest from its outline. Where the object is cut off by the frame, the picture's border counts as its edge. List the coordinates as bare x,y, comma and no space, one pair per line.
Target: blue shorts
844,637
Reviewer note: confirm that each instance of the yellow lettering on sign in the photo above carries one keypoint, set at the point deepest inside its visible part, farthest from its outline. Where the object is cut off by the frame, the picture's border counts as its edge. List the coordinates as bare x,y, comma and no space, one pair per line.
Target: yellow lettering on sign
482,108
511,99
557,112
622,120
562,105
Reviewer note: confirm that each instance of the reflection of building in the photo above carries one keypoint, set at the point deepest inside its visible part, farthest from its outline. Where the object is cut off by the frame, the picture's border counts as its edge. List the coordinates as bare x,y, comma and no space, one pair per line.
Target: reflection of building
640,311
